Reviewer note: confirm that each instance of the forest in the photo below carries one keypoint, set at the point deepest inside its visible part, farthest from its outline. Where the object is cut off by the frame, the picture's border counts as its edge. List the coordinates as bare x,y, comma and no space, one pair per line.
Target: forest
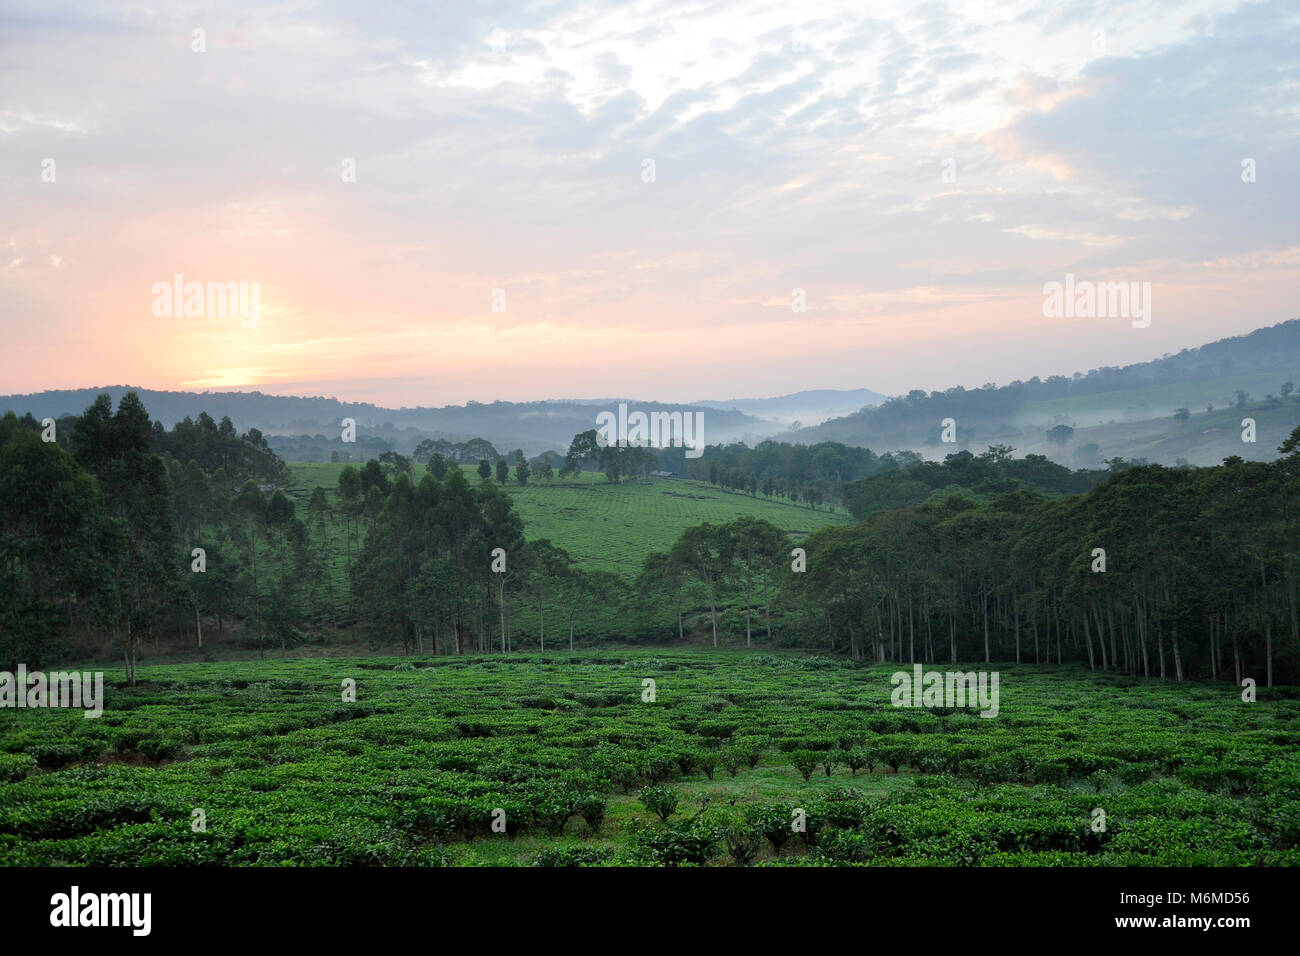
124,530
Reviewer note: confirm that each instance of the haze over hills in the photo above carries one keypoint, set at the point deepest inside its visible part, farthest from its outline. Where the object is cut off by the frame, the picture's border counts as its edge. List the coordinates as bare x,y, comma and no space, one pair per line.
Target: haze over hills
1127,412
1120,411
534,427
809,407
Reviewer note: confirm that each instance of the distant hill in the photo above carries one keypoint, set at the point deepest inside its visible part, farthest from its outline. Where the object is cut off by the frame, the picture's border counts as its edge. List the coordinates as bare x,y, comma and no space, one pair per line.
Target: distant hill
1116,411
534,427
809,407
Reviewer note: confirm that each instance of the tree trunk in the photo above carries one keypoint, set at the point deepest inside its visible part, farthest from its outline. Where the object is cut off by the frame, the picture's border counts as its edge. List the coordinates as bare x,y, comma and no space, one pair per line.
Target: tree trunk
1015,610
984,600
1087,635
501,603
713,611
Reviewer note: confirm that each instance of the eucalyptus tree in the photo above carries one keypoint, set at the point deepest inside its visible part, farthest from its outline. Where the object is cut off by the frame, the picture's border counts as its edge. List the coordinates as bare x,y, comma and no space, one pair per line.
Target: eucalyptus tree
707,552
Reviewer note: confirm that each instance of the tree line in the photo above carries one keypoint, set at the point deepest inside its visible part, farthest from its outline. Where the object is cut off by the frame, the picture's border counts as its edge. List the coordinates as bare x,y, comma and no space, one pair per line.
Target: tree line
1186,573
111,523
99,520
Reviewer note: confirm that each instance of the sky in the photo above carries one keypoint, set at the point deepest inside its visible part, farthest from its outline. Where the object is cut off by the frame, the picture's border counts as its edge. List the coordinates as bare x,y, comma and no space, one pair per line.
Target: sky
443,202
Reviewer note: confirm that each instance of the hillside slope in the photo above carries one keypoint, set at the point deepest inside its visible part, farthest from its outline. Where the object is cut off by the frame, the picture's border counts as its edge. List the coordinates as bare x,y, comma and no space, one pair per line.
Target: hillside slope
609,527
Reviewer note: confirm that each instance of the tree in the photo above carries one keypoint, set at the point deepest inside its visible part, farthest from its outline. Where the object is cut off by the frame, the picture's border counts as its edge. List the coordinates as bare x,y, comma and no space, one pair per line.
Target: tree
502,528
706,552
319,511
394,464
119,451
548,567
660,574
521,471
291,537
583,450
484,469
459,515
57,545
250,504
757,546
1060,434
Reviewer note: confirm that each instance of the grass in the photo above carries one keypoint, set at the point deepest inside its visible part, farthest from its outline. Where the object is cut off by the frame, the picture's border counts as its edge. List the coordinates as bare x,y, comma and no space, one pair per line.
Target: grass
612,527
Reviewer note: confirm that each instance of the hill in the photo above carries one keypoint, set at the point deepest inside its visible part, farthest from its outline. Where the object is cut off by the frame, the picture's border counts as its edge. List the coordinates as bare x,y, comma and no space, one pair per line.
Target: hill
534,427
1126,412
612,527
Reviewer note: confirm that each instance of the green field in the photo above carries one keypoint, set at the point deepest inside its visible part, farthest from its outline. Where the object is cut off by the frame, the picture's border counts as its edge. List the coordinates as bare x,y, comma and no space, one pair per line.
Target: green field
612,527
558,749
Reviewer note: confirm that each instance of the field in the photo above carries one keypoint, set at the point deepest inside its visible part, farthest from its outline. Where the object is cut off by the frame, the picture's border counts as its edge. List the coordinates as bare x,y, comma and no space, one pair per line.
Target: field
612,527
437,756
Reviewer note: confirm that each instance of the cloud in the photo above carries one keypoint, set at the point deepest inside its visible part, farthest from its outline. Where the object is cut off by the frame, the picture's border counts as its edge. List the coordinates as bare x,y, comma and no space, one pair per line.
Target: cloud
504,145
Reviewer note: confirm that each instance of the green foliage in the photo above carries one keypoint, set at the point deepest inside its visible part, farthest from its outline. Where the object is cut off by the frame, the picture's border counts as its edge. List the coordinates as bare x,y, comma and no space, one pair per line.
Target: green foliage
688,843
14,767
805,761
659,800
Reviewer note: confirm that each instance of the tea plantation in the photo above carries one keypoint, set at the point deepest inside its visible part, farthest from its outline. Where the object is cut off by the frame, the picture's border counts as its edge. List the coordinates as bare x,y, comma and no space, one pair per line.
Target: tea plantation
606,526
733,759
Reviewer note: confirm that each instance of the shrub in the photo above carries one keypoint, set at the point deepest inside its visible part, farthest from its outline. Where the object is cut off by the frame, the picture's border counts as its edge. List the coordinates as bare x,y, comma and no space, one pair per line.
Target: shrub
1099,780
894,756
624,775
741,837
847,846
691,842
661,801
805,761
750,750
14,767
573,856
591,807
659,765
773,822
161,748
57,755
